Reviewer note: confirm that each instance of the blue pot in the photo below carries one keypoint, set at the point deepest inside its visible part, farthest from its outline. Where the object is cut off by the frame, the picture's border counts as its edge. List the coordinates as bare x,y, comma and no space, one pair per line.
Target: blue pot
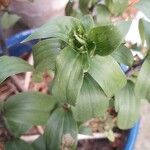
17,49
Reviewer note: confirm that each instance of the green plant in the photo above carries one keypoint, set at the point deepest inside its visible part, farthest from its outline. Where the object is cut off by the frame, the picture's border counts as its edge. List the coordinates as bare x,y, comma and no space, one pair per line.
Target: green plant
85,57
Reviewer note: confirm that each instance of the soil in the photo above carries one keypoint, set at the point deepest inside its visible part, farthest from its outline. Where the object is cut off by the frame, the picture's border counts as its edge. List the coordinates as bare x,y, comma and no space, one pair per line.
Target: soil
104,144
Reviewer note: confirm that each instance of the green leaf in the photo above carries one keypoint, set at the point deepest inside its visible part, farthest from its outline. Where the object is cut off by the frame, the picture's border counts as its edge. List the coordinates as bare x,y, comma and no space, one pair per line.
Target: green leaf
61,131
106,39
127,106
44,55
91,102
144,5
69,76
58,27
123,55
110,135
144,30
8,20
87,22
1,105
85,61
39,144
23,110
142,86
123,27
103,15
141,31
12,65
108,74
17,144
116,7
85,130
147,32
84,5
69,8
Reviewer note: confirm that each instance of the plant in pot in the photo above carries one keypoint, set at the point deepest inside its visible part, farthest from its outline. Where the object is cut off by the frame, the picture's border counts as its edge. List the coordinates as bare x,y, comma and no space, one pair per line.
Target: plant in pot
86,59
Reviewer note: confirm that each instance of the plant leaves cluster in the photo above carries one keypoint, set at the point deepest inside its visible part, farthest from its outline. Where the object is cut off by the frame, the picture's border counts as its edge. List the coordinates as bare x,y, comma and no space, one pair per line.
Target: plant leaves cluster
85,53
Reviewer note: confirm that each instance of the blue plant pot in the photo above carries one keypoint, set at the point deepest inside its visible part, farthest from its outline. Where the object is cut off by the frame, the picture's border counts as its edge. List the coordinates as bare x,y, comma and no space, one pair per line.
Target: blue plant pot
17,49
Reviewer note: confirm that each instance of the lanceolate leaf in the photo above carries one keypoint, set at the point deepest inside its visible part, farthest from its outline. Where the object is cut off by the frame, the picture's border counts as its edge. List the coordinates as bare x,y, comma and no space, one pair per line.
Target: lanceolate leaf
127,106
85,61
106,39
61,131
144,5
141,31
58,28
123,27
39,144
142,86
108,74
8,20
44,55
69,8
12,65
69,76
84,6
26,109
147,32
87,22
103,15
117,7
85,130
1,105
17,144
91,102
123,55
144,30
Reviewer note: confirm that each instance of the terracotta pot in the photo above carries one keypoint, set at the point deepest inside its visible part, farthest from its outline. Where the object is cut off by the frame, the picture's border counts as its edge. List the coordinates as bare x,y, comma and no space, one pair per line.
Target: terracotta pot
36,13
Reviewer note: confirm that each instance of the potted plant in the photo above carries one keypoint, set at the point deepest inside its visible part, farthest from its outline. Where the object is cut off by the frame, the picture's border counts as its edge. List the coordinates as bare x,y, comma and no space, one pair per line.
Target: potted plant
89,82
